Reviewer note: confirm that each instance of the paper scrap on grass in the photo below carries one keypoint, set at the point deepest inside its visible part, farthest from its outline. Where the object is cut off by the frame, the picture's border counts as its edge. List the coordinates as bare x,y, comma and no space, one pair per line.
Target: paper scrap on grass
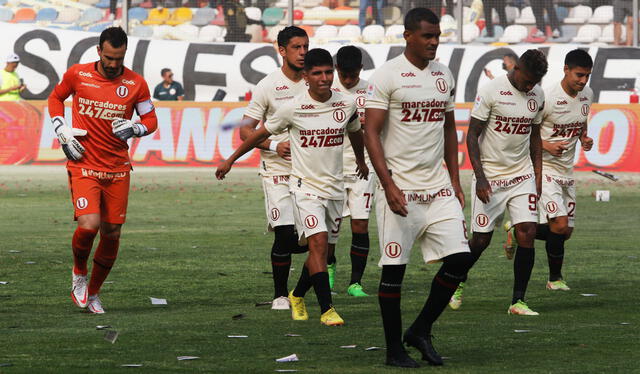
237,336
286,370
155,301
292,335
290,358
108,282
30,262
238,316
334,293
603,195
6,364
111,336
4,282
348,346
103,327
186,358
14,251
589,294
521,330
131,365
263,303
625,323
373,348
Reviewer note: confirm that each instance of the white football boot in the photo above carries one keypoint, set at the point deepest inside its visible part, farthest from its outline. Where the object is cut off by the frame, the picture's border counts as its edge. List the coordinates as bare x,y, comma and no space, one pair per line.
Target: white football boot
79,289
281,303
95,306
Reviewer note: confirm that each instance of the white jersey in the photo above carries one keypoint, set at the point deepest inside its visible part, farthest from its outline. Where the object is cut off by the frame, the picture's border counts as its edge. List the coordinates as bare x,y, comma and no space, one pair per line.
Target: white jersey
413,133
270,94
316,133
504,143
358,94
564,117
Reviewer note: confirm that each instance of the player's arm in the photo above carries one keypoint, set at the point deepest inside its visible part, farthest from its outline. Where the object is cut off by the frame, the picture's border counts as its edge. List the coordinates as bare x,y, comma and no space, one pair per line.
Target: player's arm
180,92
483,189
451,154
251,142
585,140
249,126
125,128
66,135
535,151
357,143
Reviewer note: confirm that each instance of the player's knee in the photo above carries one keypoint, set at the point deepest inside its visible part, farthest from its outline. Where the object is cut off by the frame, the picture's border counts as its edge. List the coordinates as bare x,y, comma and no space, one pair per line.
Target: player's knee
567,235
526,231
560,227
285,239
479,242
360,226
458,263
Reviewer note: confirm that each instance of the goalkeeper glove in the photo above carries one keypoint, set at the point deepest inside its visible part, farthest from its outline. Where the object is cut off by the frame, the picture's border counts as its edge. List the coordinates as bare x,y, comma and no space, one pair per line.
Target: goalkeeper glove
66,136
123,129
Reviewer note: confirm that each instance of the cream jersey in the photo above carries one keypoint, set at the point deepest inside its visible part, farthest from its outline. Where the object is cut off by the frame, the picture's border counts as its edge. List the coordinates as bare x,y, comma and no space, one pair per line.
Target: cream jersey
316,134
504,143
270,94
358,94
563,119
413,134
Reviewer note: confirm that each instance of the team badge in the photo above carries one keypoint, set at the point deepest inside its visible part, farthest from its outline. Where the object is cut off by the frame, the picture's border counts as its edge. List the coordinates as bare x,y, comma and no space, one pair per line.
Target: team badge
275,214
532,105
360,101
552,207
585,109
442,85
82,203
122,91
339,115
311,221
482,220
393,250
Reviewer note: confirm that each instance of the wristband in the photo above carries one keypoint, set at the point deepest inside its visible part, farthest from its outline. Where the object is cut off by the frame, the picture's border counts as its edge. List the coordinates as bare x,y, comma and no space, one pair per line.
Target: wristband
273,146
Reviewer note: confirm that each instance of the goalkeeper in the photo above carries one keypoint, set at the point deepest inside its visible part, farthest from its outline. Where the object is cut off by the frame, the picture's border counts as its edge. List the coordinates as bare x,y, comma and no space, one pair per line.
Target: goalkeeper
105,94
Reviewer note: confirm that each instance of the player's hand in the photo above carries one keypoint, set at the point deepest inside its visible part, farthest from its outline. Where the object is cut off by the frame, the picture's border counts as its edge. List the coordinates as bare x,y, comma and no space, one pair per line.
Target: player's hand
539,187
362,120
488,73
587,143
459,194
556,148
362,170
284,150
396,200
66,136
124,129
483,190
223,169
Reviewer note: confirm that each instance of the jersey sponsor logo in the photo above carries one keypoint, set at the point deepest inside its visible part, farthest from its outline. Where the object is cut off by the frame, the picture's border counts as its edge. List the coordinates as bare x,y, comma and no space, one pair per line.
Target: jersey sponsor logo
100,109
311,221
277,179
561,102
85,74
532,105
504,183
122,91
275,214
585,109
307,106
89,84
567,130
318,141
442,85
393,250
409,74
370,90
584,98
339,115
531,93
552,207
437,73
360,101
126,81
361,92
82,203
338,104
482,220
506,93
422,115
282,88
425,198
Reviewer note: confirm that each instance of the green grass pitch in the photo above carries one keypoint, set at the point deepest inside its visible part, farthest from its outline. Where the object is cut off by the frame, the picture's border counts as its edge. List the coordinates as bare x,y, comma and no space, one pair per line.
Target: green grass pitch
202,245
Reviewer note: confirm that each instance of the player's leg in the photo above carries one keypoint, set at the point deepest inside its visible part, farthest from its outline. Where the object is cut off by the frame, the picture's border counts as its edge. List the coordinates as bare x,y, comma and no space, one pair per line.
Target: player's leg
558,231
359,254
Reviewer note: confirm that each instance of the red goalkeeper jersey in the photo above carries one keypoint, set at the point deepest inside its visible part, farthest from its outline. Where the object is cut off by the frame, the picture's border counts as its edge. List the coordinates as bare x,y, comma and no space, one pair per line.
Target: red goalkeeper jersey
96,102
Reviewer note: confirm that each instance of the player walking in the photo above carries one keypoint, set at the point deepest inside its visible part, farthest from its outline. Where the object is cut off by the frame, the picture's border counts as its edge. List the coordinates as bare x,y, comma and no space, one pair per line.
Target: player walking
269,94
316,120
564,121
506,154
410,131
105,94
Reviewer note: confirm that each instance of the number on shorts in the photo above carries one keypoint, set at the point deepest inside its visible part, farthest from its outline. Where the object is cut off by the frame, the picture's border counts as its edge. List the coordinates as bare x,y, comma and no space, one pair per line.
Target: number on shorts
338,222
368,203
533,202
572,208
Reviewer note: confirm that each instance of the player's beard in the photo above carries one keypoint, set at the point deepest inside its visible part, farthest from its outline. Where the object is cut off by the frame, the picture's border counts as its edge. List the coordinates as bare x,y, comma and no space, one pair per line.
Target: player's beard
293,67
109,72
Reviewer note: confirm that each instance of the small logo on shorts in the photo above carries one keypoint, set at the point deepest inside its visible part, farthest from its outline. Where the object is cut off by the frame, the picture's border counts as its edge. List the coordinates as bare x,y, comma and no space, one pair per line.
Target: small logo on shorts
482,220
552,207
393,250
82,203
275,214
311,222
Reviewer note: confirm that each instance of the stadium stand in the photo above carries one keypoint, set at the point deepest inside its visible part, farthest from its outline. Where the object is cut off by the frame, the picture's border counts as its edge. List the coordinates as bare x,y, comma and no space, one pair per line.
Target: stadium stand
25,15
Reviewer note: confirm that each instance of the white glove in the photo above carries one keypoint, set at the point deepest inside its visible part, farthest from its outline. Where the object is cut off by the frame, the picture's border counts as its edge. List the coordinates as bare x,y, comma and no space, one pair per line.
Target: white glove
123,129
66,136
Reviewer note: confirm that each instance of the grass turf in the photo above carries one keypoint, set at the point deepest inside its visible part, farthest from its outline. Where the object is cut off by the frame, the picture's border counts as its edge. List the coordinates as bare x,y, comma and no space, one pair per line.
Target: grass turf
202,245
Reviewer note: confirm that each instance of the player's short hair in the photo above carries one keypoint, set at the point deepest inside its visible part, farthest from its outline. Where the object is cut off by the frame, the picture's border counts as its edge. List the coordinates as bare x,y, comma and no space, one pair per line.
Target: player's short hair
164,71
534,62
578,58
512,56
416,15
317,57
349,58
288,33
115,36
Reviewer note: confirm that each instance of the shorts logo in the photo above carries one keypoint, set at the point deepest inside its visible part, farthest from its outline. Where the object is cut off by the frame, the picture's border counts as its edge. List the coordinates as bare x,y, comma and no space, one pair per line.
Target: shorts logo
585,109
122,91
441,85
360,101
339,115
311,221
482,220
275,214
552,207
82,203
532,105
393,250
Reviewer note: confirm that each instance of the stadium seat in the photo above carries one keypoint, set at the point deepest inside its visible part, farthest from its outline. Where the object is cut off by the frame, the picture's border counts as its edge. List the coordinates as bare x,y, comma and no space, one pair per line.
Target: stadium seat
272,16
161,31
104,4
311,31
498,31
340,16
326,32
470,32
6,14
298,14
68,15
24,15
579,14
587,34
562,13
3,2
513,34
349,32
203,16
602,15
448,26
273,32
316,16
90,15
391,15
219,18
157,16
185,31
142,31
526,17
138,13
395,32
89,2
373,34
180,16
253,13
47,14
512,14
310,3
607,34
533,38
569,31
211,33
75,28
100,27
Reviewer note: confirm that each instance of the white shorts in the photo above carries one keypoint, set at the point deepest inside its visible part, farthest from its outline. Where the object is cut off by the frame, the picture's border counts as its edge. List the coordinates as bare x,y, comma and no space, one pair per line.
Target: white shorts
277,201
558,198
358,196
435,219
314,214
517,194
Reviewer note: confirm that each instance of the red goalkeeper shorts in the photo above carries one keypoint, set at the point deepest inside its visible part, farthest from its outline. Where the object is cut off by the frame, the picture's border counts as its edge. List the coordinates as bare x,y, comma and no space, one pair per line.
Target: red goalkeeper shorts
99,192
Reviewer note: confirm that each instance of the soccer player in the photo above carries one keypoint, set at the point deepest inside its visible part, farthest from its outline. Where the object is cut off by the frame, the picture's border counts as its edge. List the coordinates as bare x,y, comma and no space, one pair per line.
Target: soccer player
316,120
359,192
564,121
506,154
269,94
410,135
105,95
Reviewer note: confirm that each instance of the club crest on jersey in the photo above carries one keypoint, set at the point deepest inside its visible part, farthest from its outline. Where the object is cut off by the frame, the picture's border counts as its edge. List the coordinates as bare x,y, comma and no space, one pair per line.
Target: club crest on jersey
585,109
82,203
393,250
339,115
442,85
532,105
482,220
122,91
360,101
311,221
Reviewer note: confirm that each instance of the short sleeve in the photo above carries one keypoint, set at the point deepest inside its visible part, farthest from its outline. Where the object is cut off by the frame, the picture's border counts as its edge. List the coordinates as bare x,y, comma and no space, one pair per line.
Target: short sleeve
259,104
451,102
482,105
143,102
378,91
281,120
540,115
